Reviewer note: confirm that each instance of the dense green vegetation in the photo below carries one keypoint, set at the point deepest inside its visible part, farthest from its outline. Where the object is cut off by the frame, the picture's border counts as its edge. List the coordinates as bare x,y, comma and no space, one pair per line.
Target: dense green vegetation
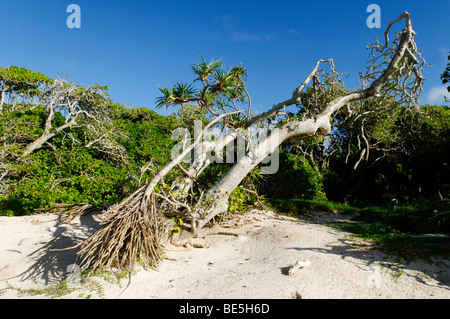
69,172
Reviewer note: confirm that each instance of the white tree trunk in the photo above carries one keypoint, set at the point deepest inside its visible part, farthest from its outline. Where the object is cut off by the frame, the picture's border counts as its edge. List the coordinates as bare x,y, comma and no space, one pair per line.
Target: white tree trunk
220,192
202,159
2,99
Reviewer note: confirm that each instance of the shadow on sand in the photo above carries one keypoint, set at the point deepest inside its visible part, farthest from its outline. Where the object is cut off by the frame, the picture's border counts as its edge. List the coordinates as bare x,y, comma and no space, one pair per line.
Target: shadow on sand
49,262
437,268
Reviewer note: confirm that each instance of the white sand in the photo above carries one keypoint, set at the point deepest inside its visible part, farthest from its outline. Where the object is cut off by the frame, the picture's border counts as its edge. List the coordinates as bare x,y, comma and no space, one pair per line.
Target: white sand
253,264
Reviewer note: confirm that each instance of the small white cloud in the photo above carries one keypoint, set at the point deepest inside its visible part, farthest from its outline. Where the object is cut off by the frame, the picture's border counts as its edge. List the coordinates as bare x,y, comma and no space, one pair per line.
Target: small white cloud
248,37
230,26
290,31
444,52
436,94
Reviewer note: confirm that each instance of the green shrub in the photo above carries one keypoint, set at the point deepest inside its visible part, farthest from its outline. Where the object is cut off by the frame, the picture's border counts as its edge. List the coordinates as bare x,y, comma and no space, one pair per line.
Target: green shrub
296,178
66,171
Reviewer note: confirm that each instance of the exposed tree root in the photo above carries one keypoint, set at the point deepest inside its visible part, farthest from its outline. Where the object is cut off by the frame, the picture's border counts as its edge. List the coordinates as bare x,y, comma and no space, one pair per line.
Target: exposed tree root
131,233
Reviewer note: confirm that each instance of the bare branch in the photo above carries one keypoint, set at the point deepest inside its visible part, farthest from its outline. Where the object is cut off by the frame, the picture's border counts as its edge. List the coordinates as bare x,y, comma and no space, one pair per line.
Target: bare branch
295,99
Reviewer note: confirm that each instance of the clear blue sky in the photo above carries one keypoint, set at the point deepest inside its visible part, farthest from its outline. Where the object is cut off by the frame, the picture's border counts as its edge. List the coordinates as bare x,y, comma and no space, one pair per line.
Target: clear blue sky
134,46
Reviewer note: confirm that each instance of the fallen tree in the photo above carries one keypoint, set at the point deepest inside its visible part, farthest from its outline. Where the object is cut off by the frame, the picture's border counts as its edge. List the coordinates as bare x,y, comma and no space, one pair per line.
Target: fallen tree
133,229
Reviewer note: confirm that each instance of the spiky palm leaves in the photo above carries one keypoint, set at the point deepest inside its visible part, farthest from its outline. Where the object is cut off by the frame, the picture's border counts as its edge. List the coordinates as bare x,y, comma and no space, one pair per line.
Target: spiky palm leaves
219,93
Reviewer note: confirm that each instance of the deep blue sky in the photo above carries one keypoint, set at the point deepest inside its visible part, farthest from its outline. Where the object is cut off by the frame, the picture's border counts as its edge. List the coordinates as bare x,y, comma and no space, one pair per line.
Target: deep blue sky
134,46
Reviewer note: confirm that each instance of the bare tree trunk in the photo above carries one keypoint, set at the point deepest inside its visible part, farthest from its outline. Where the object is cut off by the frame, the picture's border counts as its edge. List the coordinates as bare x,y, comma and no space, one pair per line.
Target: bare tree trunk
2,99
220,192
151,186
38,143
202,159
48,133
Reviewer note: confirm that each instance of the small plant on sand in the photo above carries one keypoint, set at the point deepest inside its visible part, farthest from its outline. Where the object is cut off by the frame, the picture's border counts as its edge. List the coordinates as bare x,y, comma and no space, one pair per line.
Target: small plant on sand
54,291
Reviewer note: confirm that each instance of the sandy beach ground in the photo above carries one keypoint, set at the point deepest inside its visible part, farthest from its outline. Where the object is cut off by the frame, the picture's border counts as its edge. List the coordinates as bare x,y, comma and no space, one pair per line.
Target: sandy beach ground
246,258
